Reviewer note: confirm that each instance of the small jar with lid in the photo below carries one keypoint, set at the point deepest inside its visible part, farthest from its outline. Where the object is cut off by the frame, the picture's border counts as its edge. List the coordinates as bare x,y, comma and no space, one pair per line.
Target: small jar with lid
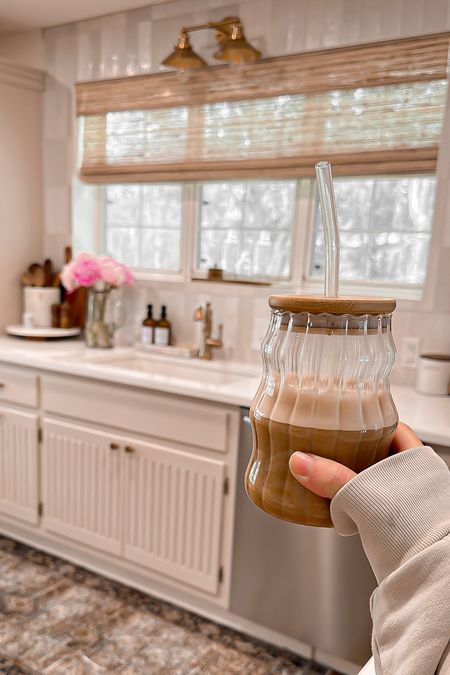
433,377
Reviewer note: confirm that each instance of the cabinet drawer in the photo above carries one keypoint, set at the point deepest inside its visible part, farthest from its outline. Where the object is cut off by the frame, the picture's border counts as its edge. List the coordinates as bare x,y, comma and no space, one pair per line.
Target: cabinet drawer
146,412
18,385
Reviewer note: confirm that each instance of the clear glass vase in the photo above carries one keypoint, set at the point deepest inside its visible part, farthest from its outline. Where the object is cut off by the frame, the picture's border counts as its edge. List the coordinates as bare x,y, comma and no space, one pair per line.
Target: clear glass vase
98,332
324,390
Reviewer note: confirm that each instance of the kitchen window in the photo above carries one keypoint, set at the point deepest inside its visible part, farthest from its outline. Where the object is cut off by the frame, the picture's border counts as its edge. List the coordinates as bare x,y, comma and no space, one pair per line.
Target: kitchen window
252,229
385,229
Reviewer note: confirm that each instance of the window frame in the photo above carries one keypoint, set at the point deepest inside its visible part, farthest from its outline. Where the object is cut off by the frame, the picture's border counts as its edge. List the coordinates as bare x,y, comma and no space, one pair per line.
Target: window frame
300,279
297,230
142,273
400,290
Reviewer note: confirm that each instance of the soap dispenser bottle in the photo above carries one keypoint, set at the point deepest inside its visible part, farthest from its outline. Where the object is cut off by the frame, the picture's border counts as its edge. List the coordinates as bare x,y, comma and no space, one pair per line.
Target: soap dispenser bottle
148,327
163,329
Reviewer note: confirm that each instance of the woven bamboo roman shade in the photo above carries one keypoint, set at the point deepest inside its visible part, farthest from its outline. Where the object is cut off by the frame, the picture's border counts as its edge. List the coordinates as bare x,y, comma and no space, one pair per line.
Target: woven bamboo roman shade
374,108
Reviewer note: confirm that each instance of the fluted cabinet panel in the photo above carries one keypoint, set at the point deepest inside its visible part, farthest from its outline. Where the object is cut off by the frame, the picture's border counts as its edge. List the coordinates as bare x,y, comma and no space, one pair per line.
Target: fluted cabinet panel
155,505
19,465
173,513
81,480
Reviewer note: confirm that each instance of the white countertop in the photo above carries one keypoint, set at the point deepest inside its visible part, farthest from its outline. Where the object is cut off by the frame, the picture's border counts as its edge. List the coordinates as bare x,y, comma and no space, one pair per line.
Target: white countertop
73,358
429,416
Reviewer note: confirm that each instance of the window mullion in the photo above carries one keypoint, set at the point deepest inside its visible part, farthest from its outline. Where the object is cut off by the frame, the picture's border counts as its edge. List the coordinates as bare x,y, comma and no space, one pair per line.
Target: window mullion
100,230
303,230
140,223
191,193
190,196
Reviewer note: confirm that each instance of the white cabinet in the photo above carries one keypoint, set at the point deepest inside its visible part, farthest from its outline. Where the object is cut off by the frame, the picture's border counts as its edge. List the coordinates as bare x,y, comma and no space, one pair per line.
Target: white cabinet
19,464
81,485
173,512
133,483
157,506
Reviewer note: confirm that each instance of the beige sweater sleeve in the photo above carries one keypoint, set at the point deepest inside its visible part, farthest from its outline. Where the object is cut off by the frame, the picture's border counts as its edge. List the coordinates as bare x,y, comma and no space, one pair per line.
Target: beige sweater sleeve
401,509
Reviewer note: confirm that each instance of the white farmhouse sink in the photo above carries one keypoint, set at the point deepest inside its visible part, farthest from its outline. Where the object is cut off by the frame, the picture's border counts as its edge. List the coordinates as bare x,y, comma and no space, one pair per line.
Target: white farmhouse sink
172,370
160,369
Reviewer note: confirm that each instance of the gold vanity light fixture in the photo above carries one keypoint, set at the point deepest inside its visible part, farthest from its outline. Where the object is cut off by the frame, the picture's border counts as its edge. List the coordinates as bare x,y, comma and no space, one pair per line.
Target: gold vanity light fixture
183,56
233,45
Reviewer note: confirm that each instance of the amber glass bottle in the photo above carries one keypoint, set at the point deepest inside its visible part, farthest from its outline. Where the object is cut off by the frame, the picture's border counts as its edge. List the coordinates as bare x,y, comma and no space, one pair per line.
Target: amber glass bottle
148,327
163,329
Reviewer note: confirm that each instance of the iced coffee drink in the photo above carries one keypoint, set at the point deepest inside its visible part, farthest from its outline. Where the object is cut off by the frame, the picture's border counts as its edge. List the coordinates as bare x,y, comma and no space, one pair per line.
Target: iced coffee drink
324,390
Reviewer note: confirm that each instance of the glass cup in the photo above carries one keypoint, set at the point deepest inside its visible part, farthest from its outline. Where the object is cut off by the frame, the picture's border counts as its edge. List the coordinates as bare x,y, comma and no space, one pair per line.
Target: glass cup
324,390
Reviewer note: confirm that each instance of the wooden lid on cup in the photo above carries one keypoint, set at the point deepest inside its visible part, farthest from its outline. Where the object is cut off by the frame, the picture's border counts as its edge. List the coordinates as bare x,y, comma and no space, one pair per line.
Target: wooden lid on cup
319,304
436,357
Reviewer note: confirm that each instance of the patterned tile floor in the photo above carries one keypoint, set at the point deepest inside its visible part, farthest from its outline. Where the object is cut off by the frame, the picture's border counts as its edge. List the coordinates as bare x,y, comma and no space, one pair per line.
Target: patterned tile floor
58,618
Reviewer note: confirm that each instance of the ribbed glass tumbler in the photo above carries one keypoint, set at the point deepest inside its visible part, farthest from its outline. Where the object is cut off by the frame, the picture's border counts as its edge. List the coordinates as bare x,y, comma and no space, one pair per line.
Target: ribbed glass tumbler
324,390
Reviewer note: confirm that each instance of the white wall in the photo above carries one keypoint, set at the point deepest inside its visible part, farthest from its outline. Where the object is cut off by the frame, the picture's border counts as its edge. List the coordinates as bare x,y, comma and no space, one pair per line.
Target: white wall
21,228
135,42
26,49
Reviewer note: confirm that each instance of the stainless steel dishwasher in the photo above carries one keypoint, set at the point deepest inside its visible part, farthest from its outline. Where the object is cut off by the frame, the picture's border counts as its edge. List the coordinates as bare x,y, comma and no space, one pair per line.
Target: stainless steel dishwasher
304,582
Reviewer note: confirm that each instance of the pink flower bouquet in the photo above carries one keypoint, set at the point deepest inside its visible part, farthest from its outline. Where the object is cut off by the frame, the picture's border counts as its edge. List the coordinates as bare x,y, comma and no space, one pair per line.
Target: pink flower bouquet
88,270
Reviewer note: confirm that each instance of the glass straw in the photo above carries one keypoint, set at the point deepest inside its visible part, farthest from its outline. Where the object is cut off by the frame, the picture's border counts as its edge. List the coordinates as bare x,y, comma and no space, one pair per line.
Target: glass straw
330,228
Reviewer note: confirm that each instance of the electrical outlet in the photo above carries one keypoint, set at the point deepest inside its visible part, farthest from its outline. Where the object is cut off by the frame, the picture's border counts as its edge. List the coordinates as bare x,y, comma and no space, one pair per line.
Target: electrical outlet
410,352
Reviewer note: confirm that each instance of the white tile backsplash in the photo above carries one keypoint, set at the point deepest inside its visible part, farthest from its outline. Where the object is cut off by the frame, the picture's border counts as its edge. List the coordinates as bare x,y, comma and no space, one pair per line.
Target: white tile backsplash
57,118
370,24
435,16
413,17
57,163
142,62
256,17
57,202
332,23
113,55
391,22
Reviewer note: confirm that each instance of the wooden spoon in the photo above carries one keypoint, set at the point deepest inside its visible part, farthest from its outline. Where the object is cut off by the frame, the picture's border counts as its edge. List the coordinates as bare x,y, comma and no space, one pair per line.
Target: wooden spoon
29,278
37,275
48,272
26,279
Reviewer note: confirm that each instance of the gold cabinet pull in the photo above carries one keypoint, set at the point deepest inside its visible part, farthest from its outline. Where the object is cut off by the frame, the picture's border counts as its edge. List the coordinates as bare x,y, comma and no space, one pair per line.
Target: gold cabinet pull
114,446
129,449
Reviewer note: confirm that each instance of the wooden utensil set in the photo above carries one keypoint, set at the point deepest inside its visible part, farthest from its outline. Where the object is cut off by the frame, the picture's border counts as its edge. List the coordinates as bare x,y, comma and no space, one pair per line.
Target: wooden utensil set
40,275
70,311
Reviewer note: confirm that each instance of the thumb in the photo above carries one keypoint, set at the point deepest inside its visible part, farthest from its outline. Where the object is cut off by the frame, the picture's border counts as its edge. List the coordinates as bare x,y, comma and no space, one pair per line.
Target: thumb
322,476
